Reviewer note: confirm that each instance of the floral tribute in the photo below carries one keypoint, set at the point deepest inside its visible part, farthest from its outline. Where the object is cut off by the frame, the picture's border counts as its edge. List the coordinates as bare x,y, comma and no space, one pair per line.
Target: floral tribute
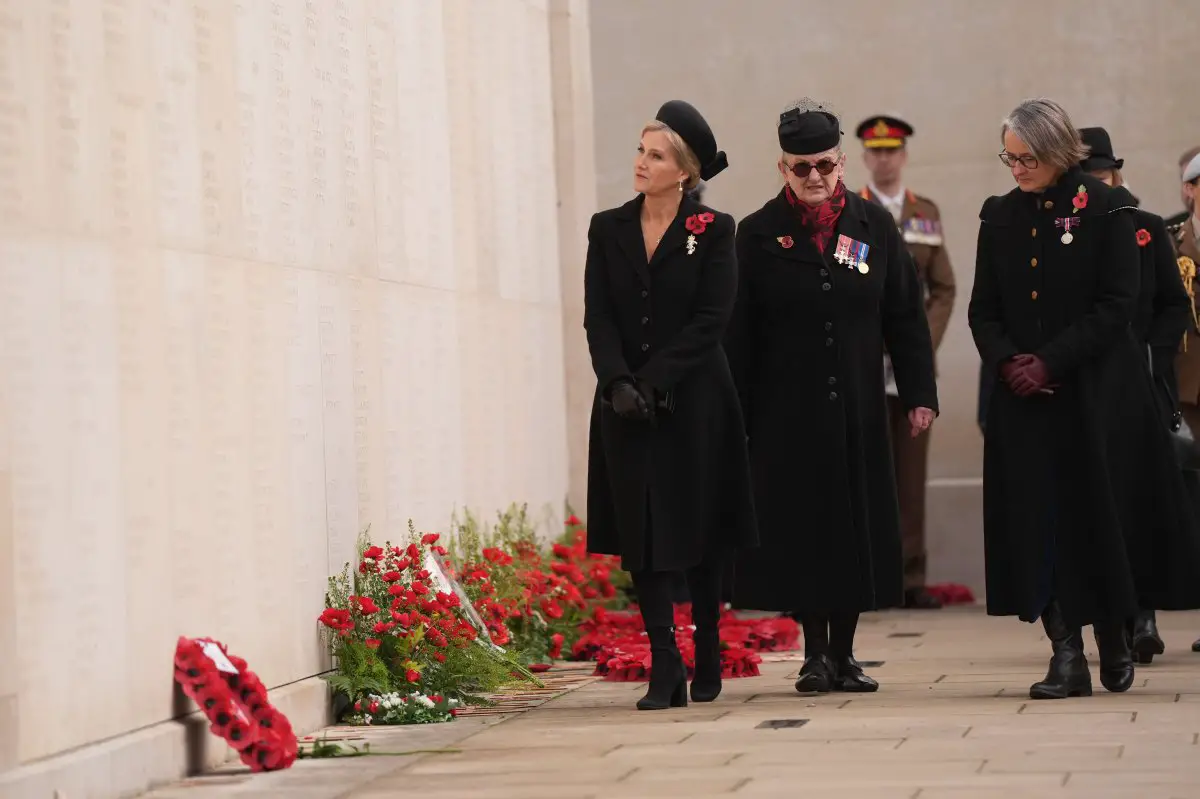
618,643
235,702
398,708
399,624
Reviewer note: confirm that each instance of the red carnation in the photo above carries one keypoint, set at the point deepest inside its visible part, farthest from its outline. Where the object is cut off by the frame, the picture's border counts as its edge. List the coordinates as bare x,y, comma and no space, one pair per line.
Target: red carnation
373,553
573,521
430,538
413,675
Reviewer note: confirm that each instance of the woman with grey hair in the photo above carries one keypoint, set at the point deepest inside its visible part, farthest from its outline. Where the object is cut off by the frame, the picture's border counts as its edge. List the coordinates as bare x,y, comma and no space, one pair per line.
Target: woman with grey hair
825,283
1085,514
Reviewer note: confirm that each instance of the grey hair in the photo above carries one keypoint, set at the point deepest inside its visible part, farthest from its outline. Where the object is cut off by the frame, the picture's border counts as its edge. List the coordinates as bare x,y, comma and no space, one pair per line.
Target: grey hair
1046,129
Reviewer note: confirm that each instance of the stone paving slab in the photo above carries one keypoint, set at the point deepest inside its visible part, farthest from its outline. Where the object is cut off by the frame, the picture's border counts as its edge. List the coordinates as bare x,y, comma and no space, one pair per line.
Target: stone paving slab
953,719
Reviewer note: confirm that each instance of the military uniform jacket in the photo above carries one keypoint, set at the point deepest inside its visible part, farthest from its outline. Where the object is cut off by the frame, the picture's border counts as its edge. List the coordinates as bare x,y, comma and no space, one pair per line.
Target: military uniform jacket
661,496
921,227
1083,495
1187,363
806,347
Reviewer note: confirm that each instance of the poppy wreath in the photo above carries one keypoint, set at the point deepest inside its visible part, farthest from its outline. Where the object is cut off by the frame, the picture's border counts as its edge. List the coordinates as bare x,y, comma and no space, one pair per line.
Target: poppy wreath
236,705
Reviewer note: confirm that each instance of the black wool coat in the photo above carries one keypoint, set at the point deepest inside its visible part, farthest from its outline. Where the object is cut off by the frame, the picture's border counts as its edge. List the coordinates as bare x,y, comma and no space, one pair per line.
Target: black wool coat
1083,496
1163,308
664,496
806,345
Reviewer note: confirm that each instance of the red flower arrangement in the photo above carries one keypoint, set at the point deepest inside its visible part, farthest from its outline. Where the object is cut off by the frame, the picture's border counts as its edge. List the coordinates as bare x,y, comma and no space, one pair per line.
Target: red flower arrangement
235,702
1143,237
618,643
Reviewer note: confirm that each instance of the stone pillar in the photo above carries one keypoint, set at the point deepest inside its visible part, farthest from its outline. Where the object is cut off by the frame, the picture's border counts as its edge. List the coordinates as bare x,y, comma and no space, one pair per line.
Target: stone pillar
571,70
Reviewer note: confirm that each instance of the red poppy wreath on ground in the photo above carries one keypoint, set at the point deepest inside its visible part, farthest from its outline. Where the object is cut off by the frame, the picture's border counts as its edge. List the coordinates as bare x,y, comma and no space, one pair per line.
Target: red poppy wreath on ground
235,702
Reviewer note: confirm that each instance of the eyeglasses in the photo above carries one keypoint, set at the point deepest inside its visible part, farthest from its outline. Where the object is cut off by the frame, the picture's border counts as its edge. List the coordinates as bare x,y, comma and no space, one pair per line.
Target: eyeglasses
1010,160
802,169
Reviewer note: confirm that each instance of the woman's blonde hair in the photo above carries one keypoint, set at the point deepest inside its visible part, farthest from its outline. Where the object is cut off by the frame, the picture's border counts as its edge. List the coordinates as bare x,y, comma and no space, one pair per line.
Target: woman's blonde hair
687,159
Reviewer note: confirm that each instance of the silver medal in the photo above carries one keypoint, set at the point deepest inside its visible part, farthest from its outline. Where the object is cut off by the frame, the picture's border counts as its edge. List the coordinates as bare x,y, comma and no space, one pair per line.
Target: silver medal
1067,238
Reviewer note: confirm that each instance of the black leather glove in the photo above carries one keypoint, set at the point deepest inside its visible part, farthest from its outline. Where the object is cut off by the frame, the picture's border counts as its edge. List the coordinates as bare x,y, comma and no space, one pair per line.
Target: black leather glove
628,402
649,396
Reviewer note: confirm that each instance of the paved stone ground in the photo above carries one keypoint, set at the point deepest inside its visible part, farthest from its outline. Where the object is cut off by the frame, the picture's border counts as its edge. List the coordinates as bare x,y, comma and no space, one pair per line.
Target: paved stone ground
952,719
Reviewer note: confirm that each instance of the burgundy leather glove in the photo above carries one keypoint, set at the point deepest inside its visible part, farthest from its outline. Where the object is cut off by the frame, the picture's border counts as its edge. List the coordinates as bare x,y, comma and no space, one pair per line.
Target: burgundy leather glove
1009,368
1030,377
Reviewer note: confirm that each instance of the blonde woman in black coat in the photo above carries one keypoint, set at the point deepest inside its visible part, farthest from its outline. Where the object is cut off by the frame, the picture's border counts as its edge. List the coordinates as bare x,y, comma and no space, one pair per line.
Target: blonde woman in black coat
668,479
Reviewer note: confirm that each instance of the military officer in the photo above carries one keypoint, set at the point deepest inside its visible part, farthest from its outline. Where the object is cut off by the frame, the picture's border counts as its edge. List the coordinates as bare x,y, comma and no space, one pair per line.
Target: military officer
1185,235
919,221
1182,216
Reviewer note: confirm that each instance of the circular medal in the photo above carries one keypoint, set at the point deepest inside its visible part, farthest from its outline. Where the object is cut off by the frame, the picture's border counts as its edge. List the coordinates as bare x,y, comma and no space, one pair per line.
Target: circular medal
863,268
1067,238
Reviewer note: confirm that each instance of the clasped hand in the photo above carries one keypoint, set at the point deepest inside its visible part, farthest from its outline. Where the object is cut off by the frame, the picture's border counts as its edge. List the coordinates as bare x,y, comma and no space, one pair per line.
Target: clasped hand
633,402
919,420
1025,374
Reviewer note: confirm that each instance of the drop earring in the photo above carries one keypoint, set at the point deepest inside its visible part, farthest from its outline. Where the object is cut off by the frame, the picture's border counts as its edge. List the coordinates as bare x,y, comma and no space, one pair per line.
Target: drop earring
681,187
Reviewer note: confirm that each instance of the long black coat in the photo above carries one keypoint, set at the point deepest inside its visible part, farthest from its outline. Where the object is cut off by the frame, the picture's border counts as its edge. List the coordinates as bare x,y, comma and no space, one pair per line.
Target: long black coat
1163,308
1083,497
806,345
1161,318
662,322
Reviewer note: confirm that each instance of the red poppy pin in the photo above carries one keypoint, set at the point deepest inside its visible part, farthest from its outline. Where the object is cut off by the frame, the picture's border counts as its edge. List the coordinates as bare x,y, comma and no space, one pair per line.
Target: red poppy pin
785,242
696,224
1143,237
1080,199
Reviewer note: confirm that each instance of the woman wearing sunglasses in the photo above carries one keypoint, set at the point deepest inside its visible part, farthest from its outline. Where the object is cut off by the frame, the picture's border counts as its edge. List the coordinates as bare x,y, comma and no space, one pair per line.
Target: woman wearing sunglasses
826,285
1085,512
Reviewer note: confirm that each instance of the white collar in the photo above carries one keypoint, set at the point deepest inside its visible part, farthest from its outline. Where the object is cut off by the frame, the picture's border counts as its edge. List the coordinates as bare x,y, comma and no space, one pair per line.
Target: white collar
886,199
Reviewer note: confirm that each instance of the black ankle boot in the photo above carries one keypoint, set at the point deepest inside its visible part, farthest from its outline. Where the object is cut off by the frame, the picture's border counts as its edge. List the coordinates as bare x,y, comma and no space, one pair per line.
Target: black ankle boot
1116,661
848,676
668,678
816,675
1068,674
706,682
1146,641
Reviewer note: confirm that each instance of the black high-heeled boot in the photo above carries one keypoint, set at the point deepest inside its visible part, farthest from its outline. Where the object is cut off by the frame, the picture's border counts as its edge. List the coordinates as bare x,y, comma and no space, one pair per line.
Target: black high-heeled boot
704,587
706,682
1116,661
1146,641
1068,674
668,677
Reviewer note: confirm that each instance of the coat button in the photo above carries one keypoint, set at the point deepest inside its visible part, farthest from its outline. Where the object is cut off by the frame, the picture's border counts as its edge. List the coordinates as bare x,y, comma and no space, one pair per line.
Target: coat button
833,381
825,287
828,342
824,273
1033,295
829,325
1048,204
645,293
1034,233
645,347
833,395
645,320
1033,261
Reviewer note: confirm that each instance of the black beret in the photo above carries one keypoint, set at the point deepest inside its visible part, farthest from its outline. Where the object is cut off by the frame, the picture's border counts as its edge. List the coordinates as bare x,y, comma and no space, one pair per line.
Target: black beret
806,132
685,120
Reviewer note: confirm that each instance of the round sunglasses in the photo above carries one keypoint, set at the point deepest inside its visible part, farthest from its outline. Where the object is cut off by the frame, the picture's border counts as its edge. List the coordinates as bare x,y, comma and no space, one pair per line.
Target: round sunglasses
803,169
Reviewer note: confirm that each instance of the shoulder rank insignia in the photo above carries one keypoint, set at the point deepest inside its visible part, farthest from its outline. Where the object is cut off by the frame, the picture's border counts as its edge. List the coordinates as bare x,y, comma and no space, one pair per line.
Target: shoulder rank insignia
918,230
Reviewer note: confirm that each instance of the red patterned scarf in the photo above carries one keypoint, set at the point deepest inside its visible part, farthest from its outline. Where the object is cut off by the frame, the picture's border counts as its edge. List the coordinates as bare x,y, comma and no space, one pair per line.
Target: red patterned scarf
821,219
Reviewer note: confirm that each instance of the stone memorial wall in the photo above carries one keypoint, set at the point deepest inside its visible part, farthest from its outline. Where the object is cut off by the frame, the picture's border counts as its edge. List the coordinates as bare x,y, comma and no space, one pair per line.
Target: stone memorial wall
271,271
